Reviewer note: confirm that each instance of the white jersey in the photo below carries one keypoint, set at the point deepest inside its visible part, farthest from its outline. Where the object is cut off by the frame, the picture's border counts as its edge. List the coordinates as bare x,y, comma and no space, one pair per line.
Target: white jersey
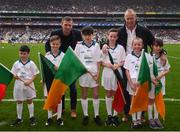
89,55
56,60
109,80
24,72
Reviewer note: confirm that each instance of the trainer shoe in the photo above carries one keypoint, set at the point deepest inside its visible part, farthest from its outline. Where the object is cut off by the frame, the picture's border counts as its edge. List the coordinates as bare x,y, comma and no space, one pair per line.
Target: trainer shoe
98,121
159,124
109,121
152,124
116,121
32,121
139,122
134,124
17,122
48,122
60,122
143,119
73,114
85,120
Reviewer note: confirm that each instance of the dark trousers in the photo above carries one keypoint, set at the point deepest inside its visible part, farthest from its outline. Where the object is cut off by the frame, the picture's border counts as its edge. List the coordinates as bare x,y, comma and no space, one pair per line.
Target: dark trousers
73,97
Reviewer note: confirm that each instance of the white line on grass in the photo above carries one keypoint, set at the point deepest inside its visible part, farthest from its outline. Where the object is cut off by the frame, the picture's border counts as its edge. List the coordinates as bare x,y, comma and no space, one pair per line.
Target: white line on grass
174,57
3,123
101,99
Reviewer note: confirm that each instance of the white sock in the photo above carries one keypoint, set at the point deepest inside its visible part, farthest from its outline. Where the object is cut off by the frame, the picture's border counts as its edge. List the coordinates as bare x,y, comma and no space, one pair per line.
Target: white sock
155,112
134,116
49,114
31,109
96,107
19,108
139,115
84,103
109,105
115,113
150,110
59,110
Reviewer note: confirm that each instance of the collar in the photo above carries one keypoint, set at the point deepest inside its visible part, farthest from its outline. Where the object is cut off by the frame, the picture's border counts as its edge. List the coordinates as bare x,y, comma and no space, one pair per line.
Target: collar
56,55
133,31
135,54
28,60
87,45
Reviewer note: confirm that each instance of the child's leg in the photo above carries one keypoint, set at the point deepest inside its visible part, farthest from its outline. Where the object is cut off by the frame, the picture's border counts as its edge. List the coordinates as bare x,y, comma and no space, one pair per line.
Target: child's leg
139,115
150,109
96,101
84,101
109,102
155,112
59,110
19,107
30,107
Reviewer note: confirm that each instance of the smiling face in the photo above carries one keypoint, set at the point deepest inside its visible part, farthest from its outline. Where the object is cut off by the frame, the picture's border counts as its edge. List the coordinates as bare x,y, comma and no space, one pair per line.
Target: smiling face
130,19
112,37
137,45
55,45
67,27
23,55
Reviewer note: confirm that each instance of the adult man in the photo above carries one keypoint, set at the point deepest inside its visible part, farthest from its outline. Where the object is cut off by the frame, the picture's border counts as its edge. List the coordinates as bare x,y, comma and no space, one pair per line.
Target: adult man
69,37
127,33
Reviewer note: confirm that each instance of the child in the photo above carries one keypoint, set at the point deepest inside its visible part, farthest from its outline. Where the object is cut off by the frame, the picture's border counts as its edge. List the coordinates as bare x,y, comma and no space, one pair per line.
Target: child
55,56
89,53
132,63
24,71
109,80
163,69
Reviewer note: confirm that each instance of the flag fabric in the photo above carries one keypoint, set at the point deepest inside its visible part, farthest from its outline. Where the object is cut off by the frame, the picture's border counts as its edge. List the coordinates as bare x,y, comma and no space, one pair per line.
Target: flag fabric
159,101
140,99
119,100
5,78
47,70
69,70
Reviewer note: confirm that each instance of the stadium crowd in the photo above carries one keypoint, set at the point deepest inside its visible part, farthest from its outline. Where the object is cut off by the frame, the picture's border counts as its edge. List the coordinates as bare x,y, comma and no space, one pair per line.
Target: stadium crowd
90,5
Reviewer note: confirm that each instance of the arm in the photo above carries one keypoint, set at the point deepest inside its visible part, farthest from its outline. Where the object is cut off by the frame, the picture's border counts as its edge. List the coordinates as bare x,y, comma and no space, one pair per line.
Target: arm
132,85
28,82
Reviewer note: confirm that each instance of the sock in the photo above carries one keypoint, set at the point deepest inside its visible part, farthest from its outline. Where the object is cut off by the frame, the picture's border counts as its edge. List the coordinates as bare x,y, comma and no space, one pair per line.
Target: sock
31,109
150,110
109,105
133,116
155,112
84,103
19,108
139,115
49,114
96,107
59,110
115,113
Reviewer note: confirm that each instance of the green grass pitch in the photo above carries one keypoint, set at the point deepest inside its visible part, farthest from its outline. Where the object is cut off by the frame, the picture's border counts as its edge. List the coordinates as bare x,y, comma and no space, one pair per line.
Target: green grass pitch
9,54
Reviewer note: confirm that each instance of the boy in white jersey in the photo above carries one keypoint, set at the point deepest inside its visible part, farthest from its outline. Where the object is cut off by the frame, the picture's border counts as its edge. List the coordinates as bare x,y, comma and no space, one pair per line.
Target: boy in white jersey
159,55
55,56
109,80
89,53
24,71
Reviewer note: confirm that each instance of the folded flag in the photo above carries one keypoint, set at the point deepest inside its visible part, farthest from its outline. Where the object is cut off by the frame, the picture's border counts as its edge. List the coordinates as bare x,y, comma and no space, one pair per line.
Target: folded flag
140,99
5,78
69,70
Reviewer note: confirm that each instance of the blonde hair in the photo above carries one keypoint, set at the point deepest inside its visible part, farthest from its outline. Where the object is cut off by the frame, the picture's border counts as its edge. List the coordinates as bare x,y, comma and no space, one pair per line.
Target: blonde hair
130,11
138,39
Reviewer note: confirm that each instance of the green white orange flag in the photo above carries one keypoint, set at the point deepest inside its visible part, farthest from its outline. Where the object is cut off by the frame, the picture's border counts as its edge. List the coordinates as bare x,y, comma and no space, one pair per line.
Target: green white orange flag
69,70
140,99
5,78
159,101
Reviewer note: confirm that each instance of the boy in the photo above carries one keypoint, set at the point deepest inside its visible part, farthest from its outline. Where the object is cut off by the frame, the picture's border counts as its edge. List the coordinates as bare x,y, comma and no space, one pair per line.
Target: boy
24,71
55,56
89,53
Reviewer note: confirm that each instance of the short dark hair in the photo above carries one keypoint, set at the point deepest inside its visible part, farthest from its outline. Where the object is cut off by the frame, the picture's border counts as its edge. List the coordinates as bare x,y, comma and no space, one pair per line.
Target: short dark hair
55,37
88,30
67,18
113,30
158,42
24,48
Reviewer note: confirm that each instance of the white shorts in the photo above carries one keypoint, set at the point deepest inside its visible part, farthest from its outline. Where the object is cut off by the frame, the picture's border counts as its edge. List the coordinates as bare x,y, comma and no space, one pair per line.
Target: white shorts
129,89
109,83
22,92
86,80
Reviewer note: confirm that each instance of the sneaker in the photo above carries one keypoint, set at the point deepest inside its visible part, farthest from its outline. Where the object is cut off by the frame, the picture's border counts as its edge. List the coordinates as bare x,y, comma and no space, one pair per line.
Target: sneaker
139,122
49,122
159,124
98,121
32,121
73,114
143,119
17,122
60,122
125,118
134,124
109,121
85,120
152,124
116,121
